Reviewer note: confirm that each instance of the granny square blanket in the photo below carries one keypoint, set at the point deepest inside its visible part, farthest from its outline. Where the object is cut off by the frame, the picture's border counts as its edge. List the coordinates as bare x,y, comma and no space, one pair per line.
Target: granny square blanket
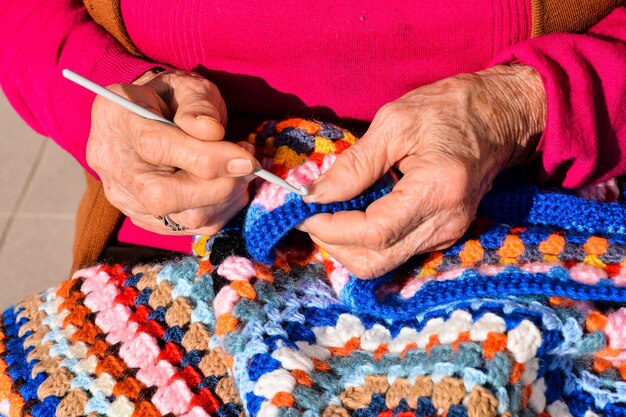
524,316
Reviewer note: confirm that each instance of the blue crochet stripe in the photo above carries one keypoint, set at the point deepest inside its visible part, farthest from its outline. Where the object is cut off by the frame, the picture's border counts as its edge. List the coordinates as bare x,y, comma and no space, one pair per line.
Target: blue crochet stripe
361,297
19,368
579,403
528,205
263,229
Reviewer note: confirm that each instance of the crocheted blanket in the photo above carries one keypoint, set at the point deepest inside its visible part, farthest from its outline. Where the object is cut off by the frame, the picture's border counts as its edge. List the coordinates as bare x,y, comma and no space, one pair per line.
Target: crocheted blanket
521,317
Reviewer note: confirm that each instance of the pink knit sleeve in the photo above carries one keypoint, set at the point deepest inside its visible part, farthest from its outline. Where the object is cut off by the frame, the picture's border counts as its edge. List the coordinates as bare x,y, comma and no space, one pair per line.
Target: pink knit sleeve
39,38
585,80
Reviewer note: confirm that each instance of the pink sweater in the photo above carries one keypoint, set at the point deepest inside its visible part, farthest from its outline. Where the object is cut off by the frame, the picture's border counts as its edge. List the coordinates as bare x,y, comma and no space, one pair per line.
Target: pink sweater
273,59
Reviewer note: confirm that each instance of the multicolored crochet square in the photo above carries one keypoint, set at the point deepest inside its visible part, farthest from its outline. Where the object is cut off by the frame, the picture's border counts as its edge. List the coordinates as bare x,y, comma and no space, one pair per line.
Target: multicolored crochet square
523,317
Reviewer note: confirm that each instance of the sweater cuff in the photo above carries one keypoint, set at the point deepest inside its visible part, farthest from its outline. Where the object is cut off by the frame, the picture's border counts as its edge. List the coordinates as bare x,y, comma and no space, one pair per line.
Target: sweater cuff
583,75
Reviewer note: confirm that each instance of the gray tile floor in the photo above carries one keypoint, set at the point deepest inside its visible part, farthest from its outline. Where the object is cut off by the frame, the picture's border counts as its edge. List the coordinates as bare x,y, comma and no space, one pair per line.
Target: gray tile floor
40,186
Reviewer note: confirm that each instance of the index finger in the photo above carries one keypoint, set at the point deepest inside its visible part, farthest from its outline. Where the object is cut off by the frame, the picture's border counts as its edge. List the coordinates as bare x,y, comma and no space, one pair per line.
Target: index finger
159,144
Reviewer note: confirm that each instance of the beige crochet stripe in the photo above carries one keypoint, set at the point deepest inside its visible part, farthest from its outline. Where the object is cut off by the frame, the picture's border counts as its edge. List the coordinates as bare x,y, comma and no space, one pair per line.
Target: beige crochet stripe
35,317
59,379
148,276
447,392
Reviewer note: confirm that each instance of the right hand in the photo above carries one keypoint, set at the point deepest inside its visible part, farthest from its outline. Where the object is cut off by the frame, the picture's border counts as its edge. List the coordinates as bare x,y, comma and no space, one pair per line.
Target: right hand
150,169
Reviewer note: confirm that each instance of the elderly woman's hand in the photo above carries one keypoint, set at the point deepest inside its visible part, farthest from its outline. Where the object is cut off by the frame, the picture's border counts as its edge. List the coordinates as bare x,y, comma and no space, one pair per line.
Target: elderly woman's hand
150,169
449,139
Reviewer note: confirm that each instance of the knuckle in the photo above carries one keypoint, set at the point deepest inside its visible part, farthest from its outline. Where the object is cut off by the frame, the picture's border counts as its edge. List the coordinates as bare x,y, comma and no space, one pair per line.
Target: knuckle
388,110
94,155
379,237
144,137
116,88
198,80
148,146
400,116
355,158
392,113
194,219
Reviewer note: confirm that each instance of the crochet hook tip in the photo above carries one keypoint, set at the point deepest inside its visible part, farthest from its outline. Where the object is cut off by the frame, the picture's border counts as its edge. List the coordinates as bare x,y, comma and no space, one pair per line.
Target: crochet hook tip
276,180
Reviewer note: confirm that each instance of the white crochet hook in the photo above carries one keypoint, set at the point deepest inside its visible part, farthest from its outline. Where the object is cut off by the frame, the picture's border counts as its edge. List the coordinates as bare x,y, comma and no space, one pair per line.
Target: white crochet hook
140,111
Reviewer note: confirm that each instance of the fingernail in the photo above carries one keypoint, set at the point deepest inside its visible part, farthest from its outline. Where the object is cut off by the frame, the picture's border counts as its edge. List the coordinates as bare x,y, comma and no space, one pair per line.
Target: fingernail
315,189
314,196
240,166
203,118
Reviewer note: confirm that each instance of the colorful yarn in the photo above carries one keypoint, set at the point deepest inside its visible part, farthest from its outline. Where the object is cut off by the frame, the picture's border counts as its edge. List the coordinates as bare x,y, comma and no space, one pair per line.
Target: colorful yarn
524,316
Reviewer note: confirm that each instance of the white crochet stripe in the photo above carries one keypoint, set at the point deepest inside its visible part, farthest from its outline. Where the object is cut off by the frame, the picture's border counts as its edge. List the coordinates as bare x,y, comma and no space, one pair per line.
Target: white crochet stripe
522,341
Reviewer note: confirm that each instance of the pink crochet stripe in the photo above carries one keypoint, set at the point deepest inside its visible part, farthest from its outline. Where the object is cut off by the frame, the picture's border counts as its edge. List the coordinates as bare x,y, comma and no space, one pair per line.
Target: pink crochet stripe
339,276
236,268
173,398
225,300
156,375
111,317
102,298
615,329
587,274
170,396
620,278
94,279
327,162
115,322
581,272
139,350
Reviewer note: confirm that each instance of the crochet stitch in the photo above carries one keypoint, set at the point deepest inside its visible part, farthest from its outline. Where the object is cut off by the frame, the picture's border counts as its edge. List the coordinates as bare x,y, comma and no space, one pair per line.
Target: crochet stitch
522,317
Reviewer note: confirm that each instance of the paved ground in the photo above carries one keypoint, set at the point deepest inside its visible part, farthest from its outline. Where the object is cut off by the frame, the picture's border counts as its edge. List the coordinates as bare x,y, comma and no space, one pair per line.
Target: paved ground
40,186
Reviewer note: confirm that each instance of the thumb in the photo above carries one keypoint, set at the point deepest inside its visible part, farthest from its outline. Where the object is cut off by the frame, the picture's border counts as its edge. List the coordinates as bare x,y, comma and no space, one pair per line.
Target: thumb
355,169
199,109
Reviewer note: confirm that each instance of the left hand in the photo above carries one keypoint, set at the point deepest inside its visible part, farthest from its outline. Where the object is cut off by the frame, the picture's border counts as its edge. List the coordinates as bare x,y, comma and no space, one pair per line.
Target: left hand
449,139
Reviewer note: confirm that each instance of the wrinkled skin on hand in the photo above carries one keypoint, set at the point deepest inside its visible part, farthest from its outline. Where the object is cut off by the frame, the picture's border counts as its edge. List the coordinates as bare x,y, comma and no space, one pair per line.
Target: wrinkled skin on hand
449,139
150,169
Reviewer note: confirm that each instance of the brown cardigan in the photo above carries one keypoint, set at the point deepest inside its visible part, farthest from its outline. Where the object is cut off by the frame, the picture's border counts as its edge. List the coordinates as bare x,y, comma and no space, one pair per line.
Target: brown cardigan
97,220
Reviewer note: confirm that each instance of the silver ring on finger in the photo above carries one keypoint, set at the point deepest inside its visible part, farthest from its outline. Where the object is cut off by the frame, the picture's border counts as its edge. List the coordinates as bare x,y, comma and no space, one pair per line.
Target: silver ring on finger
171,224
